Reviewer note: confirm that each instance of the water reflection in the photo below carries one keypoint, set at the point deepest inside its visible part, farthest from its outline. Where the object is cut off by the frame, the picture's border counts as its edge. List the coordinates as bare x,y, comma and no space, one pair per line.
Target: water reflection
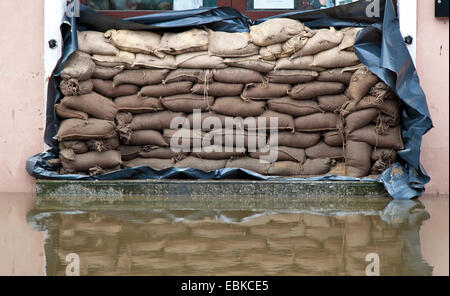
167,242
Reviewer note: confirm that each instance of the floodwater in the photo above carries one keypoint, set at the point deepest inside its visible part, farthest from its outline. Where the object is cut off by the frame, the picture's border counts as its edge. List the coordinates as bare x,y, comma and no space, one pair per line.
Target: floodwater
398,238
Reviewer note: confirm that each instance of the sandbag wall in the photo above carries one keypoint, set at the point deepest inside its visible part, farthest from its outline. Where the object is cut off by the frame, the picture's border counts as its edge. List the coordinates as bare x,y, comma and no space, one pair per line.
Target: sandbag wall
123,89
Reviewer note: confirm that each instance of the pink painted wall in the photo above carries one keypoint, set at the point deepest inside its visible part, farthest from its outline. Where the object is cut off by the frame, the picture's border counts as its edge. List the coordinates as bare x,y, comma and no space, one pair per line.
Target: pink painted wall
21,90
433,70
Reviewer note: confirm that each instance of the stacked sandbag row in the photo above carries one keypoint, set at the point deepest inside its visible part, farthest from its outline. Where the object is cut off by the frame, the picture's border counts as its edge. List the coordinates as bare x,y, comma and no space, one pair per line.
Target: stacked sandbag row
281,69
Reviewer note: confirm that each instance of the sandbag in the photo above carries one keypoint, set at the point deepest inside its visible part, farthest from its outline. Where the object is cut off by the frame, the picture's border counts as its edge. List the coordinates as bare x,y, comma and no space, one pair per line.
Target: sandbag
386,120
383,159
73,87
161,153
101,145
186,139
154,163
67,113
317,122
238,138
78,66
359,119
107,89
145,137
166,90
300,63
123,118
296,43
94,42
389,107
333,138
208,120
236,107
284,153
275,31
224,44
255,63
314,89
237,76
129,152
135,41
357,159
297,139
124,59
264,91
272,52
322,40
348,41
153,62
77,147
391,139
250,164
361,83
188,41
294,107
78,129
107,73
335,75
284,122
382,92
309,167
291,76
140,77
93,104
322,150
335,58
187,102
216,152
332,103
194,75
156,121
218,89
199,60
205,165
86,161
136,104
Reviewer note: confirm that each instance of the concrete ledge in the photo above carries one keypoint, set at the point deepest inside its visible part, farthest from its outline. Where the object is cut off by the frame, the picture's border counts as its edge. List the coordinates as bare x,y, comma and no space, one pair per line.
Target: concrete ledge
199,194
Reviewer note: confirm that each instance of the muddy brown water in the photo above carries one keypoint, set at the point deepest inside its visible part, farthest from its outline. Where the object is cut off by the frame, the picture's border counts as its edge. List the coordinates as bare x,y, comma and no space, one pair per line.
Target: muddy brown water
405,237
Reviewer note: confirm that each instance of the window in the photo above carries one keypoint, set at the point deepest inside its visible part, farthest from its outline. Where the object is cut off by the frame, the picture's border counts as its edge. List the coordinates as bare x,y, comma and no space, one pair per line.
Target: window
163,5
291,4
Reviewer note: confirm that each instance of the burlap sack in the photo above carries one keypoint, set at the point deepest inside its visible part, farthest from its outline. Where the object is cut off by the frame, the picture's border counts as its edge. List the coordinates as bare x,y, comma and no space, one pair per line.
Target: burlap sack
208,121
272,52
77,147
101,145
224,44
153,62
154,163
187,103
135,41
107,73
332,103
389,107
317,122
199,60
382,92
129,152
194,75
145,137
386,120
236,107
156,121
136,104
255,63
73,87
237,76
93,104
359,119
216,152
291,76
275,31
107,89
284,153
161,153
140,77
77,129
349,38
361,83
322,40
86,161
123,118
65,112
250,164
314,89
335,58
333,138
310,167
218,89
293,107
322,150
383,159
357,159
78,66
284,122
297,139
166,90
186,140
264,91
124,58
296,43
391,139
300,63
183,42
205,165
238,138
335,75
93,42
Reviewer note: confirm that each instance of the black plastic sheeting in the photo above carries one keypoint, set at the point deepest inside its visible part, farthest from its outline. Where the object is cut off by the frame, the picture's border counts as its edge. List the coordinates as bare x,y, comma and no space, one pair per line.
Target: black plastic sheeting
379,46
